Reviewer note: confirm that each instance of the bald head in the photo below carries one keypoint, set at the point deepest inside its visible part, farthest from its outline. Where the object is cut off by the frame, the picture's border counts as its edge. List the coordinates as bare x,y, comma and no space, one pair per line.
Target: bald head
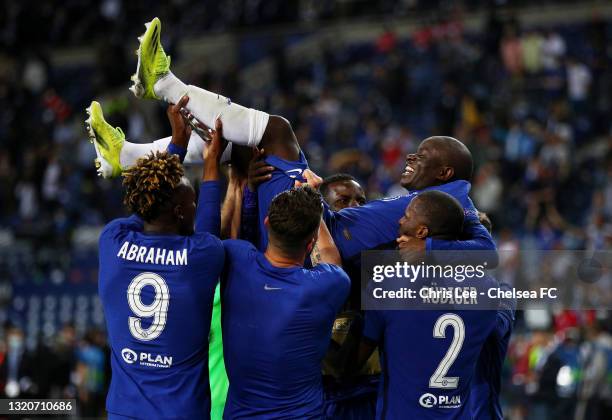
438,160
454,154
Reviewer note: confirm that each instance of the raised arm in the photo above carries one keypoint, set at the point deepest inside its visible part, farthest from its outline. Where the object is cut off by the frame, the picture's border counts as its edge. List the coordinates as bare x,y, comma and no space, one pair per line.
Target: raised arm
325,250
181,131
208,214
505,314
477,239
259,171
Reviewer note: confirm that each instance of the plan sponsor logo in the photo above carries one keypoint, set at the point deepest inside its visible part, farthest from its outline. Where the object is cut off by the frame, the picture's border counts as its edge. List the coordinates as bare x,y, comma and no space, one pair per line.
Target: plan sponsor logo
428,400
129,356
146,359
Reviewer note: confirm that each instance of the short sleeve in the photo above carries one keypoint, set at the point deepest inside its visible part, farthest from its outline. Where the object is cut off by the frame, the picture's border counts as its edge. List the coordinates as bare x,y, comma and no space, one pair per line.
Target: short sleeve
374,326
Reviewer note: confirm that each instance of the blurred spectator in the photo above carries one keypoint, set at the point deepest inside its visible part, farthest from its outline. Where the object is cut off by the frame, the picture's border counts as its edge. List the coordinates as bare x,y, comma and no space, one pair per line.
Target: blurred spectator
531,47
64,354
17,367
578,84
27,197
512,53
90,374
488,188
532,103
595,392
552,50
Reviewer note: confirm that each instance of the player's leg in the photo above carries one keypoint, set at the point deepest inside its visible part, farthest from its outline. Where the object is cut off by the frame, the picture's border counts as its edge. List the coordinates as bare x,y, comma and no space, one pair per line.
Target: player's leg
154,80
131,152
114,153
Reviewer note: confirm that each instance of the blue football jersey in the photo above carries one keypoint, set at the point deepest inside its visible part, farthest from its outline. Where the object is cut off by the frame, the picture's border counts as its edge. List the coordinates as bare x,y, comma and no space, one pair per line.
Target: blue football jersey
428,359
276,329
375,224
157,293
283,178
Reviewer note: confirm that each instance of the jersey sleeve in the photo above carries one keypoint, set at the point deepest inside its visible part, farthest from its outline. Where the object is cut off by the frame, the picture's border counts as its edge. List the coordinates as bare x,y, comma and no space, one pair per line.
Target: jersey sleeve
328,217
338,281
505,314
175,149
374,326
249,225
479,239
117,228
208,212
283,178
371,226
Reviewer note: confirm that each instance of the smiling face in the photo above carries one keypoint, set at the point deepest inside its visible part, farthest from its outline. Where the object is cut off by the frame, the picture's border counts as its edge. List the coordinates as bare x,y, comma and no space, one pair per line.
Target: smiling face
425,168
343,194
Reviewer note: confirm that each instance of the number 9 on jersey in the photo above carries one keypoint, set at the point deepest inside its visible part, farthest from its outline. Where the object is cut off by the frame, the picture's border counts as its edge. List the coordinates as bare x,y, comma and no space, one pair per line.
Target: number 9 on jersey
158,309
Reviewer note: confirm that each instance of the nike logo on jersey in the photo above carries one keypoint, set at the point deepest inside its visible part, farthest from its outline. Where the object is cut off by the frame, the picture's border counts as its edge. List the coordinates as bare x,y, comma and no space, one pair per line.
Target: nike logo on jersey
297,172
266,287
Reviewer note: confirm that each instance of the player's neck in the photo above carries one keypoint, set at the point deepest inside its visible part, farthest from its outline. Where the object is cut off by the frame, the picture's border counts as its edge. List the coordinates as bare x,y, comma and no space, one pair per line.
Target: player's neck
160,229
280,259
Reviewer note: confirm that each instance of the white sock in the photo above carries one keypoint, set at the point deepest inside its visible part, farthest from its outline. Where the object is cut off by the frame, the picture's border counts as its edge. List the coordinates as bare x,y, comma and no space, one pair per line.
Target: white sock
244,126
170,88
131,152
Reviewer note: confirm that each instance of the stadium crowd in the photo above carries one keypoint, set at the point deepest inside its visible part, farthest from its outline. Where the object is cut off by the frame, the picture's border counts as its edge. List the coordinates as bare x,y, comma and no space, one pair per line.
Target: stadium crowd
531,103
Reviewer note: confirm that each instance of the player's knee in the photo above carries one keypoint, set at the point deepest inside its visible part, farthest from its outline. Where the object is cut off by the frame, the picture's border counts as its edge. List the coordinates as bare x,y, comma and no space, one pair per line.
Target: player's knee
280,139
280,125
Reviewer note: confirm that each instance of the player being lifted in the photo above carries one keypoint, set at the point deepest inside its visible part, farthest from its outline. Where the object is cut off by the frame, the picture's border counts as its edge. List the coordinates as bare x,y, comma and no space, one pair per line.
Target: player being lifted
156,283
242,126
440,163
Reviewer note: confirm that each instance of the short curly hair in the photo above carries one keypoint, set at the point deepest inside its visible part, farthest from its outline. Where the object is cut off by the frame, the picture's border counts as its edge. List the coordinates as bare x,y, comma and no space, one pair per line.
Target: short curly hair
150,184
294,215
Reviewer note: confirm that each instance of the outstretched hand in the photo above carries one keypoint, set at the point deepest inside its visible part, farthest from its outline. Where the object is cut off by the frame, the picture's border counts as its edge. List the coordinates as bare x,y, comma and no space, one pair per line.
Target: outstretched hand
259,170
214,149
312,180
181,131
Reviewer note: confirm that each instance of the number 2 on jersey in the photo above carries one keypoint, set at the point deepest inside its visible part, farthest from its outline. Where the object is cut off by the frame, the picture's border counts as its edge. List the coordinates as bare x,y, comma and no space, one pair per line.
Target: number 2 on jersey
158,309
439,379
